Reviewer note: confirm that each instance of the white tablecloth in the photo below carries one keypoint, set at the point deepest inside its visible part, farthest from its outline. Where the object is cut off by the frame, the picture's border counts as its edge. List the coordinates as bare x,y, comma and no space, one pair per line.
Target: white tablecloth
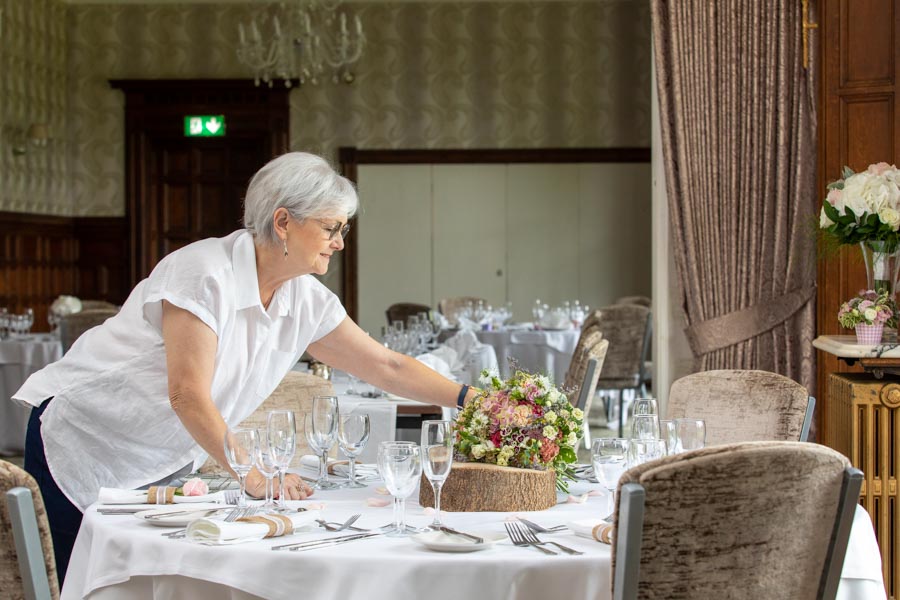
548,352
117,557
19,358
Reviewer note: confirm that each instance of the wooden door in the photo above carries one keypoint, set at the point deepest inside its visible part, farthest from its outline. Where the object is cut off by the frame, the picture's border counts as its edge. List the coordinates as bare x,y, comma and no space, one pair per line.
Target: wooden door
183,189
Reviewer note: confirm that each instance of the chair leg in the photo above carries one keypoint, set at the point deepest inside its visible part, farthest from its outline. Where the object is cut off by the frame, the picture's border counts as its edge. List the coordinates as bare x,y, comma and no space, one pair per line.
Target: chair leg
621,413
587,435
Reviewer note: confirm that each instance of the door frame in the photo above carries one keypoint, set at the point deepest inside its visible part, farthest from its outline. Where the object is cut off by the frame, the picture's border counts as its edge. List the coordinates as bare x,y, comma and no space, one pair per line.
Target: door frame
154,106
351,157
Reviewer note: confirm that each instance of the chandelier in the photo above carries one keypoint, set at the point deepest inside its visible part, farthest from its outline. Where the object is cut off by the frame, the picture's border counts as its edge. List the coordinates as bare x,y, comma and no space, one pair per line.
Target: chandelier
301,40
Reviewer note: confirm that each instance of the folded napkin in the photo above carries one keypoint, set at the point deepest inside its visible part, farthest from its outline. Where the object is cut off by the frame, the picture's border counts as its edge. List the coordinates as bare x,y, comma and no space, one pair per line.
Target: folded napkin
595,529
463,342
341,468
436,363
216,532
154,495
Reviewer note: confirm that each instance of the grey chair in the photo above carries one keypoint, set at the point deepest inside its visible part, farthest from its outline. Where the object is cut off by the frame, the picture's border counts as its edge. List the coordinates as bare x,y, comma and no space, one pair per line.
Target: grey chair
72,326
625,326
752,520
639,300
27,565
448,306
743,405
402,311
584,372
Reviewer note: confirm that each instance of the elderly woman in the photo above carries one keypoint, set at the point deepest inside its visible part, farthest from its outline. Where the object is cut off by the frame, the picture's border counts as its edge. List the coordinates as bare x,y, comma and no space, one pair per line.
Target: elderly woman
200,343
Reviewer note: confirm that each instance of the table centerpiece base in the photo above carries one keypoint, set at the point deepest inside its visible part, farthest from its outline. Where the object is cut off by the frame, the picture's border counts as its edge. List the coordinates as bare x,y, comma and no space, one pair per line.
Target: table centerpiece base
481,487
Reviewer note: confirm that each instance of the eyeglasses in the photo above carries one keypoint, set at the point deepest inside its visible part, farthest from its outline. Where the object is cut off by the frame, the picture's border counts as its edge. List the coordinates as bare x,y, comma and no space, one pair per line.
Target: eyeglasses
342,228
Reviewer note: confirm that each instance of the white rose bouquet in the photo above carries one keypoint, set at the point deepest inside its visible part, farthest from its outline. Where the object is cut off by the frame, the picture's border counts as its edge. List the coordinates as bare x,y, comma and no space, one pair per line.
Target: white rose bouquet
65,305
864,207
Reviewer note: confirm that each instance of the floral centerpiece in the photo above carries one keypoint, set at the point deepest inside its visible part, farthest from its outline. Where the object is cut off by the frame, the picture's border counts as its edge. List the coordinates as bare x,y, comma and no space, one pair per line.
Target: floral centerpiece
864,208
522,422
868,313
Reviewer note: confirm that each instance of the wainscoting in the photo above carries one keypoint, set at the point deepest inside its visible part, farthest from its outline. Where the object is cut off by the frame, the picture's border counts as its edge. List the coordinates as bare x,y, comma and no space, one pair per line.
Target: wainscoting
44,256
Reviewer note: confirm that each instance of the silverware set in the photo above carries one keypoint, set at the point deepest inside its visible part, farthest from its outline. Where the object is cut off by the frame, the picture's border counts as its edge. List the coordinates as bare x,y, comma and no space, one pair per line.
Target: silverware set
327,542
521,535
348,524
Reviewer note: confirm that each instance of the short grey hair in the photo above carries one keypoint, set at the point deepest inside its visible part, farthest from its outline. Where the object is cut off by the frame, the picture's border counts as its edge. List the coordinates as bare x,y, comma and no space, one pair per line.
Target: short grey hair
305,184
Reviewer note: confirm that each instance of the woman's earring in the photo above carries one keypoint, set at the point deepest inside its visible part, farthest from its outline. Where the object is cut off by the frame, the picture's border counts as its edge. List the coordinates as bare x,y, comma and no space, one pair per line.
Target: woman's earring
284,241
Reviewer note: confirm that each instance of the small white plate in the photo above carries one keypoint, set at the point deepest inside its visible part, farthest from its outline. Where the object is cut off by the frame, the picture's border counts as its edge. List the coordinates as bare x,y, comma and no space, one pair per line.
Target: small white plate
447,542
185,515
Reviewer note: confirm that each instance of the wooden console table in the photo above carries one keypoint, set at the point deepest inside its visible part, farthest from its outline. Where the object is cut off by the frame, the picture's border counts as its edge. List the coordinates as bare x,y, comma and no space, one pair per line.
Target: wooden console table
861,422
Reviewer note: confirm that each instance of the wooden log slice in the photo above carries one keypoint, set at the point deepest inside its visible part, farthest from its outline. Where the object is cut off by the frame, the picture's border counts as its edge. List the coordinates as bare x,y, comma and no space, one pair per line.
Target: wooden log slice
480,487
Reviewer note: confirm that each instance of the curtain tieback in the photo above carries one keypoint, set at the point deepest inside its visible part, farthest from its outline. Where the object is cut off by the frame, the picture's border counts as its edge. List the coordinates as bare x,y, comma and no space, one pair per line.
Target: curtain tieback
735,327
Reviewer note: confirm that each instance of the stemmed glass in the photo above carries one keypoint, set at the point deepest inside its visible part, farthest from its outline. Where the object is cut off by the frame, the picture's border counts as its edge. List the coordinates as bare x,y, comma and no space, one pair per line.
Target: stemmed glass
400,465
641,451
645,427
264,459
690,434
282,432
608,456
321,427
352,436
240,448
437,459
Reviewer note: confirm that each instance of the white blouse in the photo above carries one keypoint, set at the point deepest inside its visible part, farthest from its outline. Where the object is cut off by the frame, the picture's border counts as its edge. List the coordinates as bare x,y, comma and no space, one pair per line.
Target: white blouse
110,423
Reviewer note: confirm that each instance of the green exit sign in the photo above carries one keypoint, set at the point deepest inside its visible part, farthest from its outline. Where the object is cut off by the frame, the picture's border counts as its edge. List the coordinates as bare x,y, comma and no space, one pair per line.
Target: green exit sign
204,126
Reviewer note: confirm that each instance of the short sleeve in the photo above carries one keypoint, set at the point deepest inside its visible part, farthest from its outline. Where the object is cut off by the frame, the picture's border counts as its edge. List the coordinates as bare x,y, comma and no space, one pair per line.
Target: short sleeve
327,307
186,284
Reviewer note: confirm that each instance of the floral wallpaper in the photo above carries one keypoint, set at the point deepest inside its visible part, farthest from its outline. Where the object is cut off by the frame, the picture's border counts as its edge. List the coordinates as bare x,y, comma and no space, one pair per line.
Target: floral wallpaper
434,75
33,90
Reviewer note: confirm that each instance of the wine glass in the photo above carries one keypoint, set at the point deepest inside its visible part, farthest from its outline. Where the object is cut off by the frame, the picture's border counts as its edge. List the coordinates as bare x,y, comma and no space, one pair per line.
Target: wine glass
645,406
321,427
400,465
645,427
282,432
240,448
608,455
690,434
264,459
437,459
352,436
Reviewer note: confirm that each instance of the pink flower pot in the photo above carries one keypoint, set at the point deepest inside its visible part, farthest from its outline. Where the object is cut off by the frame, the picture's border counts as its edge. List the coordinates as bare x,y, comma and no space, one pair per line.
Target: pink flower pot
869,335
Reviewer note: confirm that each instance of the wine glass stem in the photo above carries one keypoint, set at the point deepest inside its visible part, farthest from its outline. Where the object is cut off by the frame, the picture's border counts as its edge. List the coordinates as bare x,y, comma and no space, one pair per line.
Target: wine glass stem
323,466
242,499
436,486
281,487
400,514
270,490
352,470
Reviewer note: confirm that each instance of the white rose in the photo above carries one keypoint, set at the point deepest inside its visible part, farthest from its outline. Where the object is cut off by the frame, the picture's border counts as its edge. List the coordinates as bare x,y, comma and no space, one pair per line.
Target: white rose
824,221
65,305
550,432
550,416
572,439
870,314
578,413
478,451
889,217
854,194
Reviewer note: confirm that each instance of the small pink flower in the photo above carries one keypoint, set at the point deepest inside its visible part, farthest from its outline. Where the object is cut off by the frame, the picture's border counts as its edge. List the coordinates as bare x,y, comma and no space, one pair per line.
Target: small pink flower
833,196
879,168
549,450
194,487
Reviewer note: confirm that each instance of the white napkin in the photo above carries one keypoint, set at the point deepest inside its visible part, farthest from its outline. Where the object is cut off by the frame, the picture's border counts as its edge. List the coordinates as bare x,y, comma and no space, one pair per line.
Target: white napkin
463,343
593,529
364,472
120,496
435,363
216,532
556,320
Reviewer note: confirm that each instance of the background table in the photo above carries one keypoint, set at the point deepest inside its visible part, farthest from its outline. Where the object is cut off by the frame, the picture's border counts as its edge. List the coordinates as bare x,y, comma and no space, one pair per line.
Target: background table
19,358
118,557
548,352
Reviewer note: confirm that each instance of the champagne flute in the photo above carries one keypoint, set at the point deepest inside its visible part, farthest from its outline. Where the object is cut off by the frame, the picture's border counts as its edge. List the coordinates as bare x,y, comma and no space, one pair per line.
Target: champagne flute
240,448
265,462
400,466
321,427
352,437
282,432
437,459
608,456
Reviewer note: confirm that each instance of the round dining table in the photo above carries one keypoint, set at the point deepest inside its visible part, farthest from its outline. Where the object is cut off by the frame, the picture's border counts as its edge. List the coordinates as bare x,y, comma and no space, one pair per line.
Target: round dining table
537,351
119,557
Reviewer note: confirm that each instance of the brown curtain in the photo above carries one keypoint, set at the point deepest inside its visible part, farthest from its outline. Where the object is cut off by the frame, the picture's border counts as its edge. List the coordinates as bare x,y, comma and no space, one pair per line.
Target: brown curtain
738,129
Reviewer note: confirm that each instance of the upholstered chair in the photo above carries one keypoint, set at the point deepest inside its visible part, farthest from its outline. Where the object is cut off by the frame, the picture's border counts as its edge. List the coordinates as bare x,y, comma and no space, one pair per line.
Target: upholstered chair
639,300
72,326
97,304
27,566
448,306
743,521
625,326
743,406
404,310
584,372
295,392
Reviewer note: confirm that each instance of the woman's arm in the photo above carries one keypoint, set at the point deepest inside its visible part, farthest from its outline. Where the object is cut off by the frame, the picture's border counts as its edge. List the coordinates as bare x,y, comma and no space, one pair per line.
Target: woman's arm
348,348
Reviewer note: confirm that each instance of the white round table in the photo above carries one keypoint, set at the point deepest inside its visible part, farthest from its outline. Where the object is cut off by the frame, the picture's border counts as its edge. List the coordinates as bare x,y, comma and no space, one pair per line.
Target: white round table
548,352
19,358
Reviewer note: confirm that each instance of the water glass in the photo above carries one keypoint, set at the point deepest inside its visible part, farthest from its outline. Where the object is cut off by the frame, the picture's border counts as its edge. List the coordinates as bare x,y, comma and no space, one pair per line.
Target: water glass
608,455
282,432
240,448
352,437
266,462
400,465
691,434
645,406
642,451
669,434
437,459
321,428
645,427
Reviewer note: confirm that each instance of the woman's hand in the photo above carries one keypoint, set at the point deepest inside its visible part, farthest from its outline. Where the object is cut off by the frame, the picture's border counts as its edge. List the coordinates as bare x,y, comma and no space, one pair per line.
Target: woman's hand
294,487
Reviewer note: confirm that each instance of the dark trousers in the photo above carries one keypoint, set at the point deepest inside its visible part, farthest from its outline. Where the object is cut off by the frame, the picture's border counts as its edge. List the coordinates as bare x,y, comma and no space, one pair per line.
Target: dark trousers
65,517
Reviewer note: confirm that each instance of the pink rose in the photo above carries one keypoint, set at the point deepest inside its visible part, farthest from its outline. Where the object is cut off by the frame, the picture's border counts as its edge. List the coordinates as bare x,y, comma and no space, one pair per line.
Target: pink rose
194,487
879,168
833,197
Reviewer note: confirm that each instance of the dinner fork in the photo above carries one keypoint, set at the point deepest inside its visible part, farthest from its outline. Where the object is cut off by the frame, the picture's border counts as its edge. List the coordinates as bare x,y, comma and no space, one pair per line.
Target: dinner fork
339,526
531,538
514,531
540,528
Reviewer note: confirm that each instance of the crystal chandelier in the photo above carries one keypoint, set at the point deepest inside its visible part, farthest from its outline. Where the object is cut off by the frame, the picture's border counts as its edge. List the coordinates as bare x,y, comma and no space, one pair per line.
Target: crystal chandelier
302,40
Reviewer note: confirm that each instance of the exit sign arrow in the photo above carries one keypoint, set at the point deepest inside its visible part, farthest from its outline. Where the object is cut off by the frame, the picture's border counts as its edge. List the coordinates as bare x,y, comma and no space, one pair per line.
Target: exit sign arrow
204,125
